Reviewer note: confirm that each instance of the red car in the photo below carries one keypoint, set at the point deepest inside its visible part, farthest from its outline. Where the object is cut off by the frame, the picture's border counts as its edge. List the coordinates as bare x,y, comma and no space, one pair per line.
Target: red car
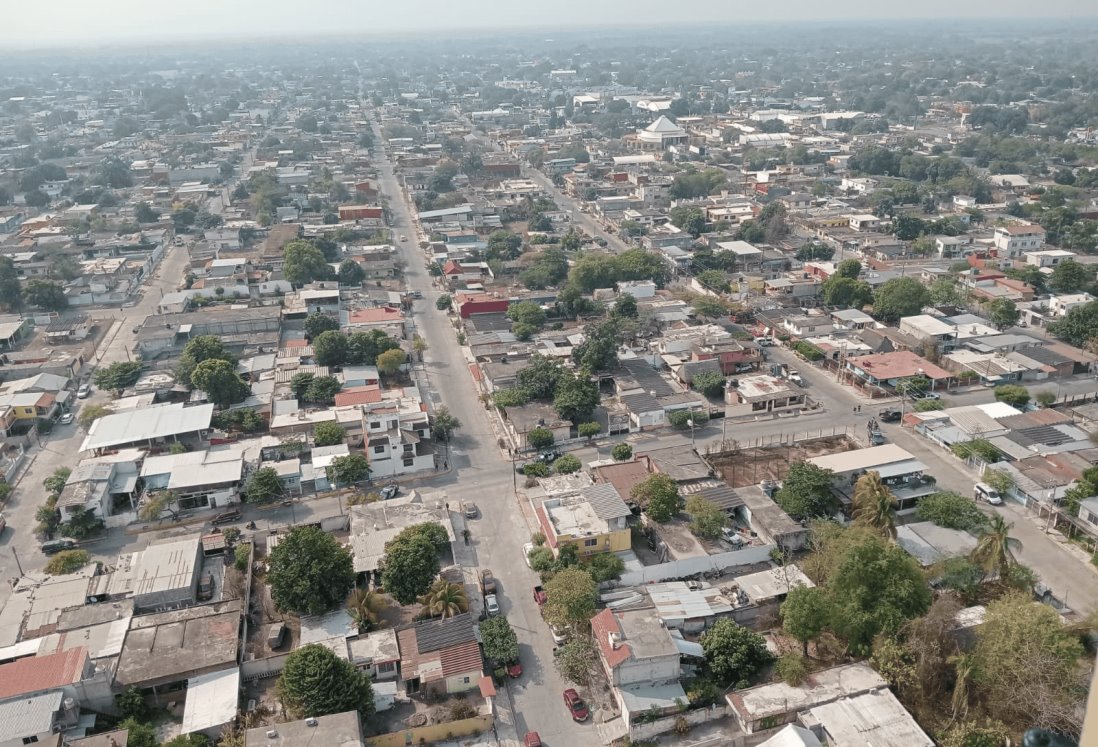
540,596
514,669
532,739
576,706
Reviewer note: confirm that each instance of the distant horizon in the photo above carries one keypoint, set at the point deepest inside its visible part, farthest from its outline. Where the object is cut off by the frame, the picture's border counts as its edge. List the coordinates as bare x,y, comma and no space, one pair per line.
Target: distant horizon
76,24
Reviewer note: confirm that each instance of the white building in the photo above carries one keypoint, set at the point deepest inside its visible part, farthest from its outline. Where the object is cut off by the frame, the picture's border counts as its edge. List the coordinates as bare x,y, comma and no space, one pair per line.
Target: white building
1015,240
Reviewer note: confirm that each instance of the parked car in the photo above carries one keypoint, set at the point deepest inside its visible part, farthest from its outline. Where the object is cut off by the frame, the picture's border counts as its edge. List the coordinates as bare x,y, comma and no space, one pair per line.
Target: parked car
390,491
795,378
206,587
540,596
514,669
491,605
558,635
275,633
526,550
84,391
531,739
984,492
469,509
3,523
550,455
226,516
889,415
487,582
732,537
67,418
403,238
52,547
576,706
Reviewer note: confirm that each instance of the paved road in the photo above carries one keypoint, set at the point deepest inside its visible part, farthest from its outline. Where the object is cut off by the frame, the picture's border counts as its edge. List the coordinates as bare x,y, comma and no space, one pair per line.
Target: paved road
483,474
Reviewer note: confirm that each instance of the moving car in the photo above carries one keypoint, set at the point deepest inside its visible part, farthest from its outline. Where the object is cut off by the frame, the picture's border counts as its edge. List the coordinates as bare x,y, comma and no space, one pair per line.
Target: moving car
67,418
84,391
984,492
403,237
469,509
889,416
491,605
576,706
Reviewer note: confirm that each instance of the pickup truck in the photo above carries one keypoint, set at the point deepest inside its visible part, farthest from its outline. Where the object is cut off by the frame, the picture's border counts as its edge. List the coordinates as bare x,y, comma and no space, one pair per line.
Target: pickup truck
487,582
540,596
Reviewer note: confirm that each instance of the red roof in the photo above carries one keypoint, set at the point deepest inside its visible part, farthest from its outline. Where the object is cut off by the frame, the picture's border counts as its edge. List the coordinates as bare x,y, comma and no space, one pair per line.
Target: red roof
39,673
602,625
290,344
358,395
898,365
452,268
378,315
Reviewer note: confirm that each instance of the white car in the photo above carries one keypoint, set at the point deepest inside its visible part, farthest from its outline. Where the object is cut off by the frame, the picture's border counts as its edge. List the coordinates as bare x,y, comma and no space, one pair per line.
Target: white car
526,550
65,419
491,604
84,391
558,635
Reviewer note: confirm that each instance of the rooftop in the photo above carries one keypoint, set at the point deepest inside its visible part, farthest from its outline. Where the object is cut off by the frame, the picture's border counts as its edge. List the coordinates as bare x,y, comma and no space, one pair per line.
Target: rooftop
24,717
212,700
166,566
874,718
778,699
929,543
38,674
335,730
876,458
162,421
374,524
633,634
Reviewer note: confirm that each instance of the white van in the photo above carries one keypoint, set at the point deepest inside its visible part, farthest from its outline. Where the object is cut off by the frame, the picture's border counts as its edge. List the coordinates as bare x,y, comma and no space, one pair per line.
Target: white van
984,492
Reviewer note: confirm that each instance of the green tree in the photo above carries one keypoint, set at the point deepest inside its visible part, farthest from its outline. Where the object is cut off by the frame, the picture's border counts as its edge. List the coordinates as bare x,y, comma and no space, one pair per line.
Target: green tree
849,268
444,302
444,599
574,659
139,734
605,566
330,348
81,523
709,383
444,424
118,375
900,297
994,551
221,383
1078,326
131,704
1012,394
193,739
874,505
198,350
599,349
318,323
689,219
1001,312
708,307
1070,277
347,470
621,452
576,397
241,555
734,654
389,362
707,520
806,613
46,295
567,464
410,565
682,419
363,348
499,640
659,496
145,213
1026,665
351,273
842,292
806,491
11,292
365,606
303,262
528,313
538,378
321,390
328,433
589,430
951,510
540,438
316,682
67,561
310,572
571,598
625,307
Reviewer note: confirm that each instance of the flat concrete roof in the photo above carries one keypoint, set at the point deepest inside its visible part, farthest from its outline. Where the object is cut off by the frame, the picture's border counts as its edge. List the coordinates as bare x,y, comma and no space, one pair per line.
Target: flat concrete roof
875,718
166,566
863,459
777,699
336,730
212,700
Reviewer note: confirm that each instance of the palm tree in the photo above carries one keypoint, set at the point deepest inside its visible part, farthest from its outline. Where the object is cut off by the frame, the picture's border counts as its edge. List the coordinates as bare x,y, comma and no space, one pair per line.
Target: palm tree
874,504
964,665
994,552
445,599
365,607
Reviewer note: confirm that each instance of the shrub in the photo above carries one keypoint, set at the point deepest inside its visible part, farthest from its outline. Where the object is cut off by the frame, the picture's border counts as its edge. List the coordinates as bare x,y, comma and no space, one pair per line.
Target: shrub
951,510
680,419
792,668
67,561
540,438
536,469
622,452
240,557
567,464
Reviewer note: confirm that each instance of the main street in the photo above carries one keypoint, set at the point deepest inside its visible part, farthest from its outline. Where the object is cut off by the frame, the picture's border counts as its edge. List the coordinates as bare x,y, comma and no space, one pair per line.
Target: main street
480,472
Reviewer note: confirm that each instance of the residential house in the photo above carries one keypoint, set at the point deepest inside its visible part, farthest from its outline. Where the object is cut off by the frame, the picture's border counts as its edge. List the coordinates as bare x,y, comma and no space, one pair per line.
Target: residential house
899,470
593,520
336,729
440,656
1016,239
761,394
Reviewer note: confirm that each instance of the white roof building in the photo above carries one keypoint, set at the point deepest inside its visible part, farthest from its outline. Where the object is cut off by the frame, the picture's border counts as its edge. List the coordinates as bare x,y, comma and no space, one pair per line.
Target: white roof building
160,423
212,701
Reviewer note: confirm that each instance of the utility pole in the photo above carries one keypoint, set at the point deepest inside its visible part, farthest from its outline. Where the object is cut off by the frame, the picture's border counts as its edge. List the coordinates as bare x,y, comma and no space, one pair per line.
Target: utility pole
15,555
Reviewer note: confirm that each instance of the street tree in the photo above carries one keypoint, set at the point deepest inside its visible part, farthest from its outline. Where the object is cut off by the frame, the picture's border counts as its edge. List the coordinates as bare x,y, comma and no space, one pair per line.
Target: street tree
444,302
589,430
571,597
348,469
621,452
220,381
1012,394
734,654
444,424
806,491
499,640
315,682
540,438
659,496
328,434
263,485
310,572
567,464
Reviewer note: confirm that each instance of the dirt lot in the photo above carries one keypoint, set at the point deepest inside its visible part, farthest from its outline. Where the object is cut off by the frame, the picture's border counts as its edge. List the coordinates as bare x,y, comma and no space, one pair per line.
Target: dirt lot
750,466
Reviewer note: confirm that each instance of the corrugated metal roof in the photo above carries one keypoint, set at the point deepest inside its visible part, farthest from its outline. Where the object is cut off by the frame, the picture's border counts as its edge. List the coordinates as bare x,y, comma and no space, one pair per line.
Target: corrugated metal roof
26,717
605,500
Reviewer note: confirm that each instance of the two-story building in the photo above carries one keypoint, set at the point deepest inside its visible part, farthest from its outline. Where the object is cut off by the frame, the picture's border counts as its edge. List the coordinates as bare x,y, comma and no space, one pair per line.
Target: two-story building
1016,239
593,520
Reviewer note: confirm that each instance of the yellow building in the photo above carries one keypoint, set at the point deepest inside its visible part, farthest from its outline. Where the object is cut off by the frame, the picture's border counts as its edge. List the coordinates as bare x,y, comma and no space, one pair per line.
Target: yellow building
594,519
29,405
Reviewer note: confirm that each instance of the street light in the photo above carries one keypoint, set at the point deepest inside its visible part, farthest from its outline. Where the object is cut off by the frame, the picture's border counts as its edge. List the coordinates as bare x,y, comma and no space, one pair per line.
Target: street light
690,422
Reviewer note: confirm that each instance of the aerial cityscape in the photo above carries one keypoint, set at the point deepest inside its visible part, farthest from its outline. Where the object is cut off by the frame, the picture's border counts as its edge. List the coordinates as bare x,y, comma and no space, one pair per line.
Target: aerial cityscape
637,380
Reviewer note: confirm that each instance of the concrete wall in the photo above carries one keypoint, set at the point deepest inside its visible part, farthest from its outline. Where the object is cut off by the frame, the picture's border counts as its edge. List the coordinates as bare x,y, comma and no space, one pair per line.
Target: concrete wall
638,731
662,669
258,669
433,732
701,564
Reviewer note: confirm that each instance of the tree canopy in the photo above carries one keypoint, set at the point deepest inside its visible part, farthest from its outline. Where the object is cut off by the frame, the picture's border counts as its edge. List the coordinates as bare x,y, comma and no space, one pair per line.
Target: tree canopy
734,654
659,496
571,597
316,682
806,491
220,381
411,561
310,572
900,297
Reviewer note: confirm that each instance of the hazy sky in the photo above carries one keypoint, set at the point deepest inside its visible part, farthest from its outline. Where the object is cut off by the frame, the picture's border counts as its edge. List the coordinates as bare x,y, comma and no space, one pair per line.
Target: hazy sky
60,22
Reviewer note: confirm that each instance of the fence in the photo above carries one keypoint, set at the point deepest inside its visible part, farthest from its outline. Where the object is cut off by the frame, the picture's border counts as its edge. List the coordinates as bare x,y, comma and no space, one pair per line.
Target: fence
649,729
258,669
433,732
692,566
